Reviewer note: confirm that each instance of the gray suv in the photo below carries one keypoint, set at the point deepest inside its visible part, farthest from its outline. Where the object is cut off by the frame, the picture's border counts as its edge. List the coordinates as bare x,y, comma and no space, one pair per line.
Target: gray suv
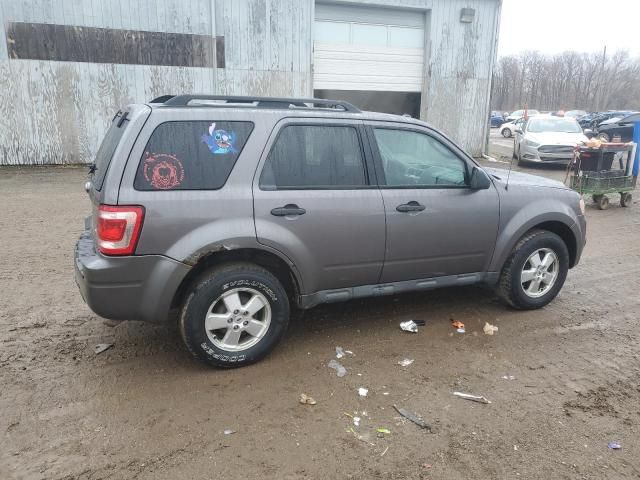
231,211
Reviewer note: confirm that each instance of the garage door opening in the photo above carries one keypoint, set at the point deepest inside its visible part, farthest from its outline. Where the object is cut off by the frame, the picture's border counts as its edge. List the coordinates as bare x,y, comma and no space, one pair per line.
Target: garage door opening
370,56
400,103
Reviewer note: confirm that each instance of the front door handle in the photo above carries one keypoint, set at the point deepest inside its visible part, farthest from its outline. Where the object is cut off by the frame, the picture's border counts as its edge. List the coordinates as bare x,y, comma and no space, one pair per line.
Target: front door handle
289,209
412,206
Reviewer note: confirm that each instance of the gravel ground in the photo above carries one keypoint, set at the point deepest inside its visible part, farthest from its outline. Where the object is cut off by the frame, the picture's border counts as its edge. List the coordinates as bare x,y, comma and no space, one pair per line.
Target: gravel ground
143,409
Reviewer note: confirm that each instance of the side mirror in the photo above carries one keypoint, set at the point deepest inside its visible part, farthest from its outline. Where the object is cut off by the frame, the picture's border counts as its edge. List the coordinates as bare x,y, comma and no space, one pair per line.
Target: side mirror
479,179
518,130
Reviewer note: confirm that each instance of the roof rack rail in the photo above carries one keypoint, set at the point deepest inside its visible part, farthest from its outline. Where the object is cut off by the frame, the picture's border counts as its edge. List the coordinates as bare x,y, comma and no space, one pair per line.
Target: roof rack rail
260,102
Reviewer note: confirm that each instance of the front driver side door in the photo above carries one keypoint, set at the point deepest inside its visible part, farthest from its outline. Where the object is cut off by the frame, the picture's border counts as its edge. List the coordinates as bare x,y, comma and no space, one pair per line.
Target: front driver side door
436,224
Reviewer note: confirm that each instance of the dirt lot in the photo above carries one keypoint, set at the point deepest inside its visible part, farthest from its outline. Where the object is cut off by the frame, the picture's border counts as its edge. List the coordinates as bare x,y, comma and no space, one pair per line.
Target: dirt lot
145,410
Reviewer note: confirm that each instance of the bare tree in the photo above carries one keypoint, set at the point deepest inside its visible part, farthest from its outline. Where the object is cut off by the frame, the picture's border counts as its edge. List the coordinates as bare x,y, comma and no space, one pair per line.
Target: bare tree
569,80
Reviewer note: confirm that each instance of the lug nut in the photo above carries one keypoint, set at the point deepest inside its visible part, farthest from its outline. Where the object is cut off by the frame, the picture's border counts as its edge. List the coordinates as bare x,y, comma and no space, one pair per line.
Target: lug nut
245,323
245,313
235,327
235,312
230,320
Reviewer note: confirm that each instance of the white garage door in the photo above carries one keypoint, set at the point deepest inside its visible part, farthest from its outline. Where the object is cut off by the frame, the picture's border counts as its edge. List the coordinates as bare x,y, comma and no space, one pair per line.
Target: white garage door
367,48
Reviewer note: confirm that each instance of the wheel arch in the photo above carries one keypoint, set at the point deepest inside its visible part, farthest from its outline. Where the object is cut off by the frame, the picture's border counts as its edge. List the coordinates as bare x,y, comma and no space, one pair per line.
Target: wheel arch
560,224
284,271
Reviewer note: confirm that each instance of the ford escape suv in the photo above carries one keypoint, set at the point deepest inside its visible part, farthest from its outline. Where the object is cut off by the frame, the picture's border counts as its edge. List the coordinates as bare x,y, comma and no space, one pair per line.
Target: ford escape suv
233,210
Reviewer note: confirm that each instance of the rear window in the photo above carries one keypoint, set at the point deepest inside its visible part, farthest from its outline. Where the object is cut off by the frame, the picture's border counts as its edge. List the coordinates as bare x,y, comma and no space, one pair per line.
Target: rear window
306,156
191,155
107,149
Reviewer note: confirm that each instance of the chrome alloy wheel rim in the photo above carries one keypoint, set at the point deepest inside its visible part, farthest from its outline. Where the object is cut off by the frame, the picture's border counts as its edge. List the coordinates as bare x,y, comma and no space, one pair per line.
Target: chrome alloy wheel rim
540,272
238,319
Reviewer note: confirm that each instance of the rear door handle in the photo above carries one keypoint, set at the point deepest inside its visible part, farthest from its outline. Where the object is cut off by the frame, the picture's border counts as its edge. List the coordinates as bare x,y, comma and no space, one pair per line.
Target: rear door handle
289,209
412,206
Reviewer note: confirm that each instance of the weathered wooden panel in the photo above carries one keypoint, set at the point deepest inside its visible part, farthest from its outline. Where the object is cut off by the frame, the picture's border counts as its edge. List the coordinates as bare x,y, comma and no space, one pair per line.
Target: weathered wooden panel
68,43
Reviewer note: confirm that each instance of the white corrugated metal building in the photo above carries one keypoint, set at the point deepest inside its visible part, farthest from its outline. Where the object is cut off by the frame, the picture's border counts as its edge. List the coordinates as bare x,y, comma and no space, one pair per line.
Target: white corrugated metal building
67,65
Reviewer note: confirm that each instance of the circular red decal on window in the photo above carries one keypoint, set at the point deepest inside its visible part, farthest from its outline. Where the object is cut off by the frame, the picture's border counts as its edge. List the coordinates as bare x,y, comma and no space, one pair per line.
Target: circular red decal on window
163,171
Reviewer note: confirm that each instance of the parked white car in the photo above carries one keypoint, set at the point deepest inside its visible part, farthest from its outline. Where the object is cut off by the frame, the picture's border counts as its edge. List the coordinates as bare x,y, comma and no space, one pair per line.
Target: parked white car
547,139
507,130
518,114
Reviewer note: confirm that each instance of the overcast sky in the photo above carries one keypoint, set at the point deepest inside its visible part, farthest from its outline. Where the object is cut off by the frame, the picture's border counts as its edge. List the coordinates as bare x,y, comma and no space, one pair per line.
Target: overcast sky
553,26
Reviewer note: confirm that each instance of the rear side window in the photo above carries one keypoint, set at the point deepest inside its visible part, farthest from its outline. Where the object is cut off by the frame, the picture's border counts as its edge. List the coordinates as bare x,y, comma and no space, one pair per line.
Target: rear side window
307,156
108,148
191,155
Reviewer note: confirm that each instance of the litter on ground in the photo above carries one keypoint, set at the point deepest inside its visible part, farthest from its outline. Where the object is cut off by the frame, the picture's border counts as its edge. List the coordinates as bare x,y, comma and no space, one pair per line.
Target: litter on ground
473,398
102,347
306,399
405,362
339,352
412,325
458,325
340,370
228,431
413,418
489,329
363,391
614,446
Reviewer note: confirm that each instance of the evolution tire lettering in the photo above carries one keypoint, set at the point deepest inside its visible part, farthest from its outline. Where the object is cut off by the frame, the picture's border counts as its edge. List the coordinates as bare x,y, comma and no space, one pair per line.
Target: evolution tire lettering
251,283
163,171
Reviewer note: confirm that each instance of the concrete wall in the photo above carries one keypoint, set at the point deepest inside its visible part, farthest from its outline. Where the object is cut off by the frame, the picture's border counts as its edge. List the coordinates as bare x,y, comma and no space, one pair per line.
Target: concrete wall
58,111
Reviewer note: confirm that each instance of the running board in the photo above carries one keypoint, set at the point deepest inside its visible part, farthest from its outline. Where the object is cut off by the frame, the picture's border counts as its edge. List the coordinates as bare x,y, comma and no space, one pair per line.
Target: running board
394,288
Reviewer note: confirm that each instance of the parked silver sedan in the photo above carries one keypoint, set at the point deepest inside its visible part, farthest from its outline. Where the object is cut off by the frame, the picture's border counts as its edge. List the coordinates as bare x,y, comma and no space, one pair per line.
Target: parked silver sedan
547,139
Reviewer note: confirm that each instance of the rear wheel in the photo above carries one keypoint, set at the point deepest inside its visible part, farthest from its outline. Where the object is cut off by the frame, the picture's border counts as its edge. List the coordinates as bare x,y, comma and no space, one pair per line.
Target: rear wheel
535,271
604,137
603,202
626,199
234,315
506,133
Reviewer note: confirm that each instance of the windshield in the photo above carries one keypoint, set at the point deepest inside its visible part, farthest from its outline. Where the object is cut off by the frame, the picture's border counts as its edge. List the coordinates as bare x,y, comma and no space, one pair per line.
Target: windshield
550,124
107,149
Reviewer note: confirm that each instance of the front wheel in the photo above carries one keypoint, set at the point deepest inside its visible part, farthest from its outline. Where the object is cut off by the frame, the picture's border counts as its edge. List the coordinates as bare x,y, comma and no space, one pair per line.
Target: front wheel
506,133
234,316
535,271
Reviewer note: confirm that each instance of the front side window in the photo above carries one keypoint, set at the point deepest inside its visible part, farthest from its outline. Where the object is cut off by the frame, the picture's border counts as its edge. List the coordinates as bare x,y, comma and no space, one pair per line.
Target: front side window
412,158
191,155
309,156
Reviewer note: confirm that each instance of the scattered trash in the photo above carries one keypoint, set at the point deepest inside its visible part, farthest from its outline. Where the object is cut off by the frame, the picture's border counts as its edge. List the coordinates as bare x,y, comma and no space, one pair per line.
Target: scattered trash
363,391
228,431
356,421
515,448
458,325
339,352
340,370
385,451
385,431
385,393
350,353
413,417
427,465
102,347
405,362
360,437
473,398
614,446
306,399
489,329
508,377
412,325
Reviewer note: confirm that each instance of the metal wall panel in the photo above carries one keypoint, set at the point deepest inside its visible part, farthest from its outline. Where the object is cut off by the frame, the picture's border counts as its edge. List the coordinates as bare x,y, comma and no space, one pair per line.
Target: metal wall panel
57,112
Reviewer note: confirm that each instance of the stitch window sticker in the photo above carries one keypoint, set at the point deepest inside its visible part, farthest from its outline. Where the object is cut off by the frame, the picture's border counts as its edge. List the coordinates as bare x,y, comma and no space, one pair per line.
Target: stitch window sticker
163,171
220,141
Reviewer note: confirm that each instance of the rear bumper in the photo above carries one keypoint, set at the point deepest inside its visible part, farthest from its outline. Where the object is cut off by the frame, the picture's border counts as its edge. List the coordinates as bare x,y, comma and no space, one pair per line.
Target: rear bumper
126,288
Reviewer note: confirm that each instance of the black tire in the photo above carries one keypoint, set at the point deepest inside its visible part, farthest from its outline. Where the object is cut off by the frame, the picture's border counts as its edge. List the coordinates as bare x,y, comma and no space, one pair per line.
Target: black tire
506,133
207,289
596,198
604,137
510,288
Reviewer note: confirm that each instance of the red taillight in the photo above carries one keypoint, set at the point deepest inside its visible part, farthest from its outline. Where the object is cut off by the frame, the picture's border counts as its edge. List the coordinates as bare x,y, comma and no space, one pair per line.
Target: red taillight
118,229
